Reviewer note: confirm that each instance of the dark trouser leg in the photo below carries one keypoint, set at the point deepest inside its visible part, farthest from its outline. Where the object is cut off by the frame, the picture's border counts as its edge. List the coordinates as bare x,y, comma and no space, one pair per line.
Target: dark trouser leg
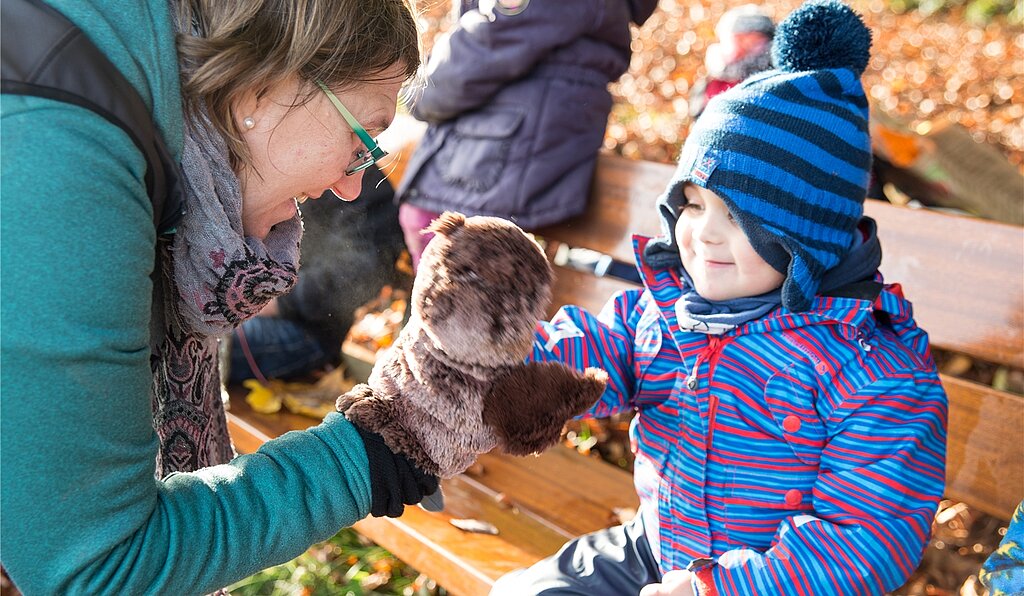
281,349
612,562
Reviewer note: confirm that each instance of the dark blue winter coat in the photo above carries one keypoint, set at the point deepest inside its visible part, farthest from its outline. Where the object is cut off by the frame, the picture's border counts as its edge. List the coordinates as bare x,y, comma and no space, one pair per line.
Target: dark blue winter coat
517,107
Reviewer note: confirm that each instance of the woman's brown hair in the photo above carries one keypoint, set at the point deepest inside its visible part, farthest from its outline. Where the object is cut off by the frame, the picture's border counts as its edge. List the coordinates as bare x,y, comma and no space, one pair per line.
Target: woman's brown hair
228,49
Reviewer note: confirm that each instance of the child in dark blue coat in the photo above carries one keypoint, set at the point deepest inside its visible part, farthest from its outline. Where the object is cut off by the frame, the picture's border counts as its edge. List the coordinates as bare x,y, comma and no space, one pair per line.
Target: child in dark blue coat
517,100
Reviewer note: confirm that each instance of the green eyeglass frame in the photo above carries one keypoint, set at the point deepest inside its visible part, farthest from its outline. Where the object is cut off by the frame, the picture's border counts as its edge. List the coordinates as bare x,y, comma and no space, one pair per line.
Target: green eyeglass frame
372,153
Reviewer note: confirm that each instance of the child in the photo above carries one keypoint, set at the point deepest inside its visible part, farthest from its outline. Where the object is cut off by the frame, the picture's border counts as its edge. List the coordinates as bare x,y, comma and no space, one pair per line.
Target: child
517,100
744,48
790,427
1003,572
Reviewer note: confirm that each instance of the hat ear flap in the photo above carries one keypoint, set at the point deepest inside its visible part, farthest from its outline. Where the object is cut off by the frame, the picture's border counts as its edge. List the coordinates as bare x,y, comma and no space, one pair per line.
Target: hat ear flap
801,284
663,252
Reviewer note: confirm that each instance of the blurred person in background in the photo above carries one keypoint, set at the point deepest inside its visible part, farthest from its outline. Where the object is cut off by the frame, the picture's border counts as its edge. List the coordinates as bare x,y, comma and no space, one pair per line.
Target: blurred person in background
743,48
517,101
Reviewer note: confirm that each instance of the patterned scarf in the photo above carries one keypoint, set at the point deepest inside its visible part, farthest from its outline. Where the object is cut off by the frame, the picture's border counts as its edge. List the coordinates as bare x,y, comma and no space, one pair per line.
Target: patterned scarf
696,313
213,278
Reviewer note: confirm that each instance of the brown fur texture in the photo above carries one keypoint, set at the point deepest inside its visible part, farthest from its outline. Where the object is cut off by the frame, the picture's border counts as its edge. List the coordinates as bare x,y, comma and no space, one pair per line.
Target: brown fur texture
454,384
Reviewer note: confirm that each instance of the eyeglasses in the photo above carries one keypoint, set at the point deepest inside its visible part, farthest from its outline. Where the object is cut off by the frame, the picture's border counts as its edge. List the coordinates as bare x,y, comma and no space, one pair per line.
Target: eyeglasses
366,157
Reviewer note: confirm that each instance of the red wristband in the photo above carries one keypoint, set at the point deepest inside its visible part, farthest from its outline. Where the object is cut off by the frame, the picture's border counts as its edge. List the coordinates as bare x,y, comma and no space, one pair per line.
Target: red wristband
705,582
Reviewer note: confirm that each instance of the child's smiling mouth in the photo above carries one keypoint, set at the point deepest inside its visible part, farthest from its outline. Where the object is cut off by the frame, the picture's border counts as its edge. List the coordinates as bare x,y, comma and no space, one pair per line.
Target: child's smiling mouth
713,264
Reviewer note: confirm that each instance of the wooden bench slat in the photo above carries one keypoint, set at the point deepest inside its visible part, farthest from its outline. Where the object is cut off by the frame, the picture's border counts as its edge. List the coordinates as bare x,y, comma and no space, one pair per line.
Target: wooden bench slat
532,524
583,289
622,204
556,495
985,452
468,562
965,277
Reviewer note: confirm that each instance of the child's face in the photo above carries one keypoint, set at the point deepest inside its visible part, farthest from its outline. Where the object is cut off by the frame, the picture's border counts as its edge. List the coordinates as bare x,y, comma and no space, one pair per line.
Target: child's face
716,252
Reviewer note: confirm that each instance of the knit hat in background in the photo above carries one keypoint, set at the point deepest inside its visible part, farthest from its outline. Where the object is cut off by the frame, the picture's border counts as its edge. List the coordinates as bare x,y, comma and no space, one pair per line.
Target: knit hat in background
788,150
748,18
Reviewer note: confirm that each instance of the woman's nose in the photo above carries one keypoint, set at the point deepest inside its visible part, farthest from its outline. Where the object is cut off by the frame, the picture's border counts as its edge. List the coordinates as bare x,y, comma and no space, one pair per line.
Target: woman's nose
348,187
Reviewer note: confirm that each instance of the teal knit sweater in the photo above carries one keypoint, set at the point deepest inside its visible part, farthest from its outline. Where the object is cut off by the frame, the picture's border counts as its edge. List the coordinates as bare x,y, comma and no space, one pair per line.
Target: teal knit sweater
80,511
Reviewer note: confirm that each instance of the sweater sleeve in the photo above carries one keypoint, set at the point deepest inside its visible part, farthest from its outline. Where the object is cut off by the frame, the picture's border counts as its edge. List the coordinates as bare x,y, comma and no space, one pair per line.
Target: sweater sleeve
881,475
82,512
580,340
487,49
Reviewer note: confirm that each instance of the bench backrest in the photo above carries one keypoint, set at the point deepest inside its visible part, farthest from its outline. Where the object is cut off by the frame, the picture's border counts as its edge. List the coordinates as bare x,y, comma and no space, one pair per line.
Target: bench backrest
965,277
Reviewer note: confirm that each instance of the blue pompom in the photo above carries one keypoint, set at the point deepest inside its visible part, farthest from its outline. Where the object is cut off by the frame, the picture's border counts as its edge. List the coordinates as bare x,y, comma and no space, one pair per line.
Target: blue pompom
822,34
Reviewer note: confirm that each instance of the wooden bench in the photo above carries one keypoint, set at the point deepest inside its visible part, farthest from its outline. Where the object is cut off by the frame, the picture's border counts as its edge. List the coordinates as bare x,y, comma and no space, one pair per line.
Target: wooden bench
963,275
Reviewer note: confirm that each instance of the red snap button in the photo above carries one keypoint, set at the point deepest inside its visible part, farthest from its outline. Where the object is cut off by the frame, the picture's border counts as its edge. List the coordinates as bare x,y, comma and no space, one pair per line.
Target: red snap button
793,497
791,424
821,367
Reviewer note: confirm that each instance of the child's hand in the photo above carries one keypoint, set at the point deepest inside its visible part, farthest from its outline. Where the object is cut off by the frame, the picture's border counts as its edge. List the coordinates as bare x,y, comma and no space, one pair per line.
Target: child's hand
675,583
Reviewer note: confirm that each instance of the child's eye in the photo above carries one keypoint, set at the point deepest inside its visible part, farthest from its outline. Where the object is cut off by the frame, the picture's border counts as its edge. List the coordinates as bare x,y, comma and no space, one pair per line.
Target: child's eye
692,207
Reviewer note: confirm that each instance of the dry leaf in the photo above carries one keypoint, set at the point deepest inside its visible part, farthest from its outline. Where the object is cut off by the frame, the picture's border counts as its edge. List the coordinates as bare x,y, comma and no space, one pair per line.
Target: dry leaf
506,503
475,526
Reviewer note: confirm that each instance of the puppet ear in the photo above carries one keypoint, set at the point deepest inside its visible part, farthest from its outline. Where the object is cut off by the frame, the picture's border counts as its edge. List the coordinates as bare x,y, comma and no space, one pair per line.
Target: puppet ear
447,222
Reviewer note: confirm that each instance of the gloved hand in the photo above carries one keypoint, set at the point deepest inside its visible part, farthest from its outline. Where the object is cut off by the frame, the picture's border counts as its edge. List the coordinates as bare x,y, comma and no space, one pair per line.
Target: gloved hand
394,480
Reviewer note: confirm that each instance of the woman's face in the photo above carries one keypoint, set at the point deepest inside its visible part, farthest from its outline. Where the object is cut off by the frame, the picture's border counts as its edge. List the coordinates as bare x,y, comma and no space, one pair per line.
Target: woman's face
303,151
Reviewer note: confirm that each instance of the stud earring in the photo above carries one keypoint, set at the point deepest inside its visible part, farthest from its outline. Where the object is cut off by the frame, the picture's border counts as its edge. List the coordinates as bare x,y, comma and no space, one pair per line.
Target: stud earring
248,123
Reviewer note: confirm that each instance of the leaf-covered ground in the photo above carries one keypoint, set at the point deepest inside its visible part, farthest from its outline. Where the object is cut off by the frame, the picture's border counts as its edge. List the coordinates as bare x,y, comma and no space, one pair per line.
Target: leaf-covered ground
924,70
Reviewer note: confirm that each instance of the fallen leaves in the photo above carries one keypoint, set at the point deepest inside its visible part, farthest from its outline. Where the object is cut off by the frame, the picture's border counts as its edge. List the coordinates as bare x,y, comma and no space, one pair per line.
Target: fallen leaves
475,526
924,69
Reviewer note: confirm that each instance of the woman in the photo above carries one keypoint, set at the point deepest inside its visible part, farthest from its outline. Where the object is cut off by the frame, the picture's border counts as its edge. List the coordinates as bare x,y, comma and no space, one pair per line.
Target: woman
264,110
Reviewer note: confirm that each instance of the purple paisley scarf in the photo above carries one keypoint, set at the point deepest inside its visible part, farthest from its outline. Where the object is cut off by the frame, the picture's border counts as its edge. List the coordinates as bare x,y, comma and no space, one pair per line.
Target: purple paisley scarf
213,278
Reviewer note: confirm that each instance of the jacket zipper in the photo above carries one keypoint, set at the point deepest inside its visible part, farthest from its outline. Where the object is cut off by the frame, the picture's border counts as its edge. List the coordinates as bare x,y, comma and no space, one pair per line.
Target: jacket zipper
712,353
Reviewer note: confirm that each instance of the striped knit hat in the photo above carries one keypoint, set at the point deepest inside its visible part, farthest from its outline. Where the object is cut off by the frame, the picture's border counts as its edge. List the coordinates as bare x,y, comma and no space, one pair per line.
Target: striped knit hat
788,151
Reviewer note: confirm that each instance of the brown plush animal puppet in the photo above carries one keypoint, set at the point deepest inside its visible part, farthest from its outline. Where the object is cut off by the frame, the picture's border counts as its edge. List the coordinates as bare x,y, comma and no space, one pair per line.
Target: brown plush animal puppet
454,384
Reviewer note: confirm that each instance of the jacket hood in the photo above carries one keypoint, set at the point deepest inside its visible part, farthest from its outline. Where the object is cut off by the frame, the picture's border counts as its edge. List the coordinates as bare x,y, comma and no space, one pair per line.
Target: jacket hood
856,313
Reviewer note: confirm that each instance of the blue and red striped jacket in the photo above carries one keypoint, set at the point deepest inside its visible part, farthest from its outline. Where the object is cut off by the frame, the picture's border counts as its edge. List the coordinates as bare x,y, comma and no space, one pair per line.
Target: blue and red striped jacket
804,453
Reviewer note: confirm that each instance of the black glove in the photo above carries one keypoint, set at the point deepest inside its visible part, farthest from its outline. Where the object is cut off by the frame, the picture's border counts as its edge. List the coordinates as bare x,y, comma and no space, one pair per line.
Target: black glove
394,480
